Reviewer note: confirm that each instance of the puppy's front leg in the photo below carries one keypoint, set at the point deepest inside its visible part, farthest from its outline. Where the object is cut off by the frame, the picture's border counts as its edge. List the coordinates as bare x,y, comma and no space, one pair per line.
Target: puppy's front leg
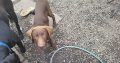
53,45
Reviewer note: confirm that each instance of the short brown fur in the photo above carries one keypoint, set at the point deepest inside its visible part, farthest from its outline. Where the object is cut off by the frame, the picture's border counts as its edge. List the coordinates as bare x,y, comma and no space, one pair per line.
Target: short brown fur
40,32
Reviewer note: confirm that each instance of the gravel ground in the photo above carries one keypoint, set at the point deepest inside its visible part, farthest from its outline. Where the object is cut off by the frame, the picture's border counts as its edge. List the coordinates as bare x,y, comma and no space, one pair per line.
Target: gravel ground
86,23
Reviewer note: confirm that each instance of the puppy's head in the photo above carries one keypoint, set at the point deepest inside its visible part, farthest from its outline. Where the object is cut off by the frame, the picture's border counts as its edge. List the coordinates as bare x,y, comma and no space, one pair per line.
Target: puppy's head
40,35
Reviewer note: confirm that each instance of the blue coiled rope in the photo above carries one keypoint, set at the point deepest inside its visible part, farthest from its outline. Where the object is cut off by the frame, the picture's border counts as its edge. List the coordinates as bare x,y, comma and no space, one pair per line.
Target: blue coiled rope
91,53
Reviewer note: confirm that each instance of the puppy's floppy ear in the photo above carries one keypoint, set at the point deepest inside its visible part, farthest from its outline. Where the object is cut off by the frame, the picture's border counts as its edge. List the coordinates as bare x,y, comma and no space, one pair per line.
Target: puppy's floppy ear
29,33
50,30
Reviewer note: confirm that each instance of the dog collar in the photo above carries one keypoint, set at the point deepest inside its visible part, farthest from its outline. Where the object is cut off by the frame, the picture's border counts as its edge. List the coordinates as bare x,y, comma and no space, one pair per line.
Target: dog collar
5,45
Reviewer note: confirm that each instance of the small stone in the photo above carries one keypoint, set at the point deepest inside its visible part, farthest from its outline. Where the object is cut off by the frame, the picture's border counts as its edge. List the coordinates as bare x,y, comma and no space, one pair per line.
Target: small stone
63,60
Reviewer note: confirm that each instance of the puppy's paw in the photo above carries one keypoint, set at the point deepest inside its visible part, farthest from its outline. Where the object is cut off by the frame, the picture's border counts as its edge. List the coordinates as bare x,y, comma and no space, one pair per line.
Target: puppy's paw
54,46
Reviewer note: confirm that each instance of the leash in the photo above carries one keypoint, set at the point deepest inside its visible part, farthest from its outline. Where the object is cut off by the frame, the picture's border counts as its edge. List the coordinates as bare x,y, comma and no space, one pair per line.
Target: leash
76,47
5,45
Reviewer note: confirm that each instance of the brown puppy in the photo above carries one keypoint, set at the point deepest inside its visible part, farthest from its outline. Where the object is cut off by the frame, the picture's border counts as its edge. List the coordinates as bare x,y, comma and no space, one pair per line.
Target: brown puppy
40,32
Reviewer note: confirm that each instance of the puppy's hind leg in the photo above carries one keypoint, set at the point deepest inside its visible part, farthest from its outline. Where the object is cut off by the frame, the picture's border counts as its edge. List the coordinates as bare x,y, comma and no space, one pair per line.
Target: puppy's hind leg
51,15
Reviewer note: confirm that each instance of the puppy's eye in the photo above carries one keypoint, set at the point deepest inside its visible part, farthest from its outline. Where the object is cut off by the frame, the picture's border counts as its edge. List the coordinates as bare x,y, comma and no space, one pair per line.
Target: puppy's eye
41,33
37,35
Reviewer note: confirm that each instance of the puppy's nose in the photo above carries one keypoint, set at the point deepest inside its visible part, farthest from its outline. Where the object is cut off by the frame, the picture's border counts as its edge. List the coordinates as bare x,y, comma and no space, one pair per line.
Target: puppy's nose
41,45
